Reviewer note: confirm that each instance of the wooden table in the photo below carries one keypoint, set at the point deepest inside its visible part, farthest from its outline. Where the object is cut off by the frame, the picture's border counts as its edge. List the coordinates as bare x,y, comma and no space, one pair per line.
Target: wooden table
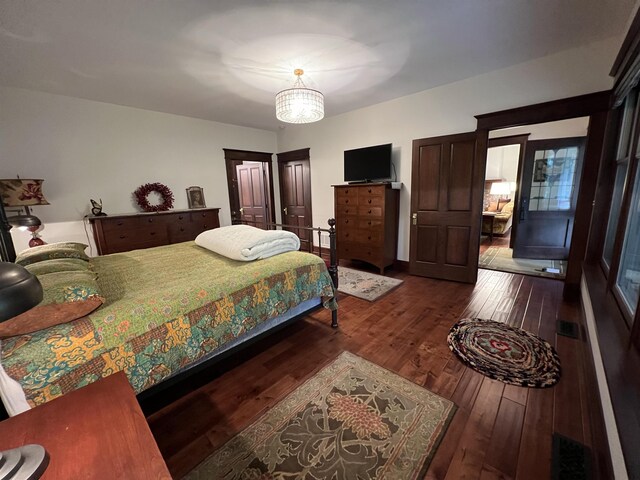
96,432
491,216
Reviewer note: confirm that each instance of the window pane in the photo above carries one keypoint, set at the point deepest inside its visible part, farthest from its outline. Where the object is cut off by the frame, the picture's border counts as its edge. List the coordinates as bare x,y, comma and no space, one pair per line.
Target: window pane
629,273
625,126
614,213
553,180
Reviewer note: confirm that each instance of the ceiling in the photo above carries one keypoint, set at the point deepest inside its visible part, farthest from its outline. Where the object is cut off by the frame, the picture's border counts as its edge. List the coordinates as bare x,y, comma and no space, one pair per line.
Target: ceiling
224,60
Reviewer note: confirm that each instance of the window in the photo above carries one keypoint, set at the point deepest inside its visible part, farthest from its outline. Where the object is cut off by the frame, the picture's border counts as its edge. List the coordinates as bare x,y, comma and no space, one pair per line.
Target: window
628,281
622,165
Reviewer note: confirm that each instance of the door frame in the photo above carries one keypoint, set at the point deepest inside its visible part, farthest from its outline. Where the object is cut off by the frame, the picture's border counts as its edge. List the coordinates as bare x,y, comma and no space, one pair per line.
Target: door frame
502,142
238,157
593,105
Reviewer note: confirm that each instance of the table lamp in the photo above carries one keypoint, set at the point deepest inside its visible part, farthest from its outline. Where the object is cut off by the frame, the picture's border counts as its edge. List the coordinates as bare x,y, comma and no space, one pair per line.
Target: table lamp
21,192
501,189
20,291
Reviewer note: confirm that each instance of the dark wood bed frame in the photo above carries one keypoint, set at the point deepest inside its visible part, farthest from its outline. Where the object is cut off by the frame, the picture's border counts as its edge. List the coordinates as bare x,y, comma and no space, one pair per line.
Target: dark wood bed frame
177,386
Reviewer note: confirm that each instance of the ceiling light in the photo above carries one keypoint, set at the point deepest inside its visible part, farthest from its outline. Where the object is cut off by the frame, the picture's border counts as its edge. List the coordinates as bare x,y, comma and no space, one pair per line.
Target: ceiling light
299,104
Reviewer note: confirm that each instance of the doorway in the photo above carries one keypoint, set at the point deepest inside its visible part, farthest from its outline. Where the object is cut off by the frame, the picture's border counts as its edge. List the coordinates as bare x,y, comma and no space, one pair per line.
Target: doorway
250,185
530,197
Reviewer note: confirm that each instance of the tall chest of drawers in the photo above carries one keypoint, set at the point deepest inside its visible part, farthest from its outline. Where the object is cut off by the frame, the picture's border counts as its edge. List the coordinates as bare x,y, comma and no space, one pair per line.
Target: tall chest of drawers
367,223
121,233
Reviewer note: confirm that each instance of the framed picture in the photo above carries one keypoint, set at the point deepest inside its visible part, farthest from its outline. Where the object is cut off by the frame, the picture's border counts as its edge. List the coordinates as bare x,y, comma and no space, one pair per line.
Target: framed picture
195,197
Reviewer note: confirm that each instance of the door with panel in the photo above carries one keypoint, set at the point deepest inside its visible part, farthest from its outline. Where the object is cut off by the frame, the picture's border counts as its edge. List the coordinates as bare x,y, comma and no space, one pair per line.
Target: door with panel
446,207
548,195
295,193
252,193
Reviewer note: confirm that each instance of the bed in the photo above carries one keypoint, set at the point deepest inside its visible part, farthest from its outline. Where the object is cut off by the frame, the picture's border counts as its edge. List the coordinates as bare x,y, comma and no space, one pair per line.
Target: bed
156,326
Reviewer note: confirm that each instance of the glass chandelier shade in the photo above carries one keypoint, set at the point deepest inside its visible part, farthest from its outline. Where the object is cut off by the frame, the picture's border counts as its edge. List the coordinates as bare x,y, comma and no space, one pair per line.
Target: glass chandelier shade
299,104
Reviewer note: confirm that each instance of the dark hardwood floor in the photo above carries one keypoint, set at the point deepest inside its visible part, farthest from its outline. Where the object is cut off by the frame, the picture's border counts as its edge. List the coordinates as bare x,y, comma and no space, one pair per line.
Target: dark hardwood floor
498,241
499,431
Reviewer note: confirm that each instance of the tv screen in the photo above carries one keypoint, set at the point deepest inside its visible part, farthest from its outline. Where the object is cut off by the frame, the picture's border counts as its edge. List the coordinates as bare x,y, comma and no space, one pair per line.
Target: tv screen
370,163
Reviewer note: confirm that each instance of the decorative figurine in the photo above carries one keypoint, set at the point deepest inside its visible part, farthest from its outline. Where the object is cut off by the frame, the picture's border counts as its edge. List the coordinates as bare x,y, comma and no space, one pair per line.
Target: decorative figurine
96,209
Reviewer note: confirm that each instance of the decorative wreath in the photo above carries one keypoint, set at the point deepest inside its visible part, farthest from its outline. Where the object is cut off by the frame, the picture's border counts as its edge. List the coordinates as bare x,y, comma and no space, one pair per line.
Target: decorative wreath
142,194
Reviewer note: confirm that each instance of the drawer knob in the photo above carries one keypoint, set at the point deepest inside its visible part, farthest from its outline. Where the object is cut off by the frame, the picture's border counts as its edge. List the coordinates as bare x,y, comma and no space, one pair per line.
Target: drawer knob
346,234
204,214
369,200
123,236
152,233
205,225
179,217
182,229
346,221
369,237
346,191
346,201
369,211
369,192
346,211
151,220
369,222
119,222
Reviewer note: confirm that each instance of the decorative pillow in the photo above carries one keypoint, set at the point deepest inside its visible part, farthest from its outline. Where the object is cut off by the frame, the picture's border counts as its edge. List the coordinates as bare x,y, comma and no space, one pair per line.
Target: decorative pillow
508,208
58,265
51,251
67,297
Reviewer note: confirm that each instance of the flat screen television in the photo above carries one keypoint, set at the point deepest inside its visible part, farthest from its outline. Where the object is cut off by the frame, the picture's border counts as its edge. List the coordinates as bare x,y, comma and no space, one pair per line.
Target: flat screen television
369,163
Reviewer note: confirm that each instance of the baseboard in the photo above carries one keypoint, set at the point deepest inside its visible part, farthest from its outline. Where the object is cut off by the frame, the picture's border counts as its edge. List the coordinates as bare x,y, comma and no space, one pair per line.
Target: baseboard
401,266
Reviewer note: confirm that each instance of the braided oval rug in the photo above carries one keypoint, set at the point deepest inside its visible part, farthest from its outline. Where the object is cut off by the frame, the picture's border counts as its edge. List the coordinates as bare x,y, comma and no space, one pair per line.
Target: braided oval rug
505,353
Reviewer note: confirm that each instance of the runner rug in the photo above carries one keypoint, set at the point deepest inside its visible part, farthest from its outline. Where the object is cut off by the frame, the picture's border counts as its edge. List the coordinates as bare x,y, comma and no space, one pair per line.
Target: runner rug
509,354
353,419
365,285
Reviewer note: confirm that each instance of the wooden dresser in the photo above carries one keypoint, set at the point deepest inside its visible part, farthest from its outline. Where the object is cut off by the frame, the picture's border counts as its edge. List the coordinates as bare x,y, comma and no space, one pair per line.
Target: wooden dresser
367,223
121,233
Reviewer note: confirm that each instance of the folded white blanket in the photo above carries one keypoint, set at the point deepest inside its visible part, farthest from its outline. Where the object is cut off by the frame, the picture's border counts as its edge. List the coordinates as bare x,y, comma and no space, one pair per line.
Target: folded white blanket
246,243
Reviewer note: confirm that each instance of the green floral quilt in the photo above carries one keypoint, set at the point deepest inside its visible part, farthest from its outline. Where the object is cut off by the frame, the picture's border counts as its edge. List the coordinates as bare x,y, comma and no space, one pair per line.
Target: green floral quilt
165,308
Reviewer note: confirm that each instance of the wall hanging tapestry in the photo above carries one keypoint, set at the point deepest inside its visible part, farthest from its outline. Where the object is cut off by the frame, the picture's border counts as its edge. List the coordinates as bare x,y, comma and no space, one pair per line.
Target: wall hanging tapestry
505,353
368,286
353,419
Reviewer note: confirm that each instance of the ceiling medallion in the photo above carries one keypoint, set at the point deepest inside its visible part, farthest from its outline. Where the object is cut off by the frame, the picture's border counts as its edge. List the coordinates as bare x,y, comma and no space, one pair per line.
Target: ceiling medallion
299,104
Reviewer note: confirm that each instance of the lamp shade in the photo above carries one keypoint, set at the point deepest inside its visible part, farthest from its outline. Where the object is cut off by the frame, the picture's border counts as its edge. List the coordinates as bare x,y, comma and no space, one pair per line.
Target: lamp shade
20,290
22,192
500,188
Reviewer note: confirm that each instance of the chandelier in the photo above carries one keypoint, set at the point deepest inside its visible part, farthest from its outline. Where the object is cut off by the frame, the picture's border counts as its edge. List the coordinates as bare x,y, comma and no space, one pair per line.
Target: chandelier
299,104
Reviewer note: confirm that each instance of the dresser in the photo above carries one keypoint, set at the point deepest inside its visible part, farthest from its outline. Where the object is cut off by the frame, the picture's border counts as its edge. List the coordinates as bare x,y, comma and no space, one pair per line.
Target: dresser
367,223
121,233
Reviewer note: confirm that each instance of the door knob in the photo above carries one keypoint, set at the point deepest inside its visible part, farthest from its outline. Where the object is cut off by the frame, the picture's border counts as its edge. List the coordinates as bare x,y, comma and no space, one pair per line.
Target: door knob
286,212
242,210
414,218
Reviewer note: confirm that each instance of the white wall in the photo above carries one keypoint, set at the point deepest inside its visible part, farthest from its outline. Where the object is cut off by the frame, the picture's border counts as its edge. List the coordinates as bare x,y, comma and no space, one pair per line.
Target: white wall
573,127
85,149
442,110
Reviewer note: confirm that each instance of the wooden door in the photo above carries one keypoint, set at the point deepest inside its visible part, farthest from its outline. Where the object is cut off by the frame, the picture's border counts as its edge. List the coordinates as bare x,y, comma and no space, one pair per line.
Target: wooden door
251,193
548,194
446,208
295,193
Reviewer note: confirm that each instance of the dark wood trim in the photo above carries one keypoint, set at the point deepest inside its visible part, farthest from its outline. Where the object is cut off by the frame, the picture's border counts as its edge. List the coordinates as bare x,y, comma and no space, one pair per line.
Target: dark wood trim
237,157
593,155
401,266
604,191
563,109
621,364
301,154
592,105
514,140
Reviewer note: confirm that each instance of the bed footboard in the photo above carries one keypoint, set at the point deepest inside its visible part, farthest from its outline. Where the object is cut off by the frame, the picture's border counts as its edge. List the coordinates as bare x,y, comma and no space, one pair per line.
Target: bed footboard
333,255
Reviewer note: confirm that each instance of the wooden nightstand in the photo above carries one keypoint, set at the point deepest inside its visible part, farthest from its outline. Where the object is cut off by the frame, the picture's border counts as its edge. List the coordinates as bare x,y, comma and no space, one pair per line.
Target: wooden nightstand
96,432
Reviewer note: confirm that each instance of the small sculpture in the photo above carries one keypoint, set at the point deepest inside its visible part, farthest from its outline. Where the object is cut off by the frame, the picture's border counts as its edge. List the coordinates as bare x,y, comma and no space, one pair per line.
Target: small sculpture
96,209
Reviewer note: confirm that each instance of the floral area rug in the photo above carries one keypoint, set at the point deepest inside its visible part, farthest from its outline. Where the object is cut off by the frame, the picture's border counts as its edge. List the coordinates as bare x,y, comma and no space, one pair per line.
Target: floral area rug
505,353
351,420
365,285
501,258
